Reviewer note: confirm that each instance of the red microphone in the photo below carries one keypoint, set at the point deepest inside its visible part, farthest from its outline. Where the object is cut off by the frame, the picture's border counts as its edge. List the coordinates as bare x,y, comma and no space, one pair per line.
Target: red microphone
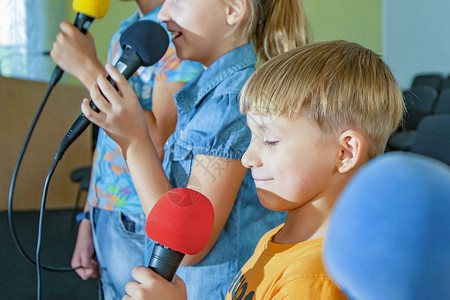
180,223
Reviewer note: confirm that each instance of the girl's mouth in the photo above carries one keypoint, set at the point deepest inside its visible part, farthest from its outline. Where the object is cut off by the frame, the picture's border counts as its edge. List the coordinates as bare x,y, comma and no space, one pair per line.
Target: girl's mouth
175,34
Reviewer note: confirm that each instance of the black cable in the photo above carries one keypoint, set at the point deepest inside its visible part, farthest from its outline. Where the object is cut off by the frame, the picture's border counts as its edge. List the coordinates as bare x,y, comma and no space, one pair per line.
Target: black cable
56,76
41,222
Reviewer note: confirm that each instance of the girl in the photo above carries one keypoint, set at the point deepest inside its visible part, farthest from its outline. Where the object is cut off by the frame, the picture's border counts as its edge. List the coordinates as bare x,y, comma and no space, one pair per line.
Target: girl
211,135
111,236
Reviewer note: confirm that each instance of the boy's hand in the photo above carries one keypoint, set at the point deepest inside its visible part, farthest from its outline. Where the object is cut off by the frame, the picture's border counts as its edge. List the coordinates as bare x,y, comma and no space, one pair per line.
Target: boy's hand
83,259
121,115
150,285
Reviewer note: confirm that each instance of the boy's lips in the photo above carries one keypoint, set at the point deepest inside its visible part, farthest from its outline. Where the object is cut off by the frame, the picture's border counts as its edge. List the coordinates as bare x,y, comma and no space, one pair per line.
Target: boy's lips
262,179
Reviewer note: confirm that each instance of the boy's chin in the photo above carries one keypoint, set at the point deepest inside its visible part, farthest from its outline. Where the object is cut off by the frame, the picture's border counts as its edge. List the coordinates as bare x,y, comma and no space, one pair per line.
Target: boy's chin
273,201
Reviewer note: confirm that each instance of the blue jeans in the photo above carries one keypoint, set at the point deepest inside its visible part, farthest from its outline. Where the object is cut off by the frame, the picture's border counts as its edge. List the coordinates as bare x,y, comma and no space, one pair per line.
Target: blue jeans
119,240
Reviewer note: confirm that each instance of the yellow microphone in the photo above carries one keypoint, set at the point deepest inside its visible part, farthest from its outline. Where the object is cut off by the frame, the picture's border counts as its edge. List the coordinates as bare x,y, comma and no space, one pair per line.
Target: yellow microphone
87,11
93,8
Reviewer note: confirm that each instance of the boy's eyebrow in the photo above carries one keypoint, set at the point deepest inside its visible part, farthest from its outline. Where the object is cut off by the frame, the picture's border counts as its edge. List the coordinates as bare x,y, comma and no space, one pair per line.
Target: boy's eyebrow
260,125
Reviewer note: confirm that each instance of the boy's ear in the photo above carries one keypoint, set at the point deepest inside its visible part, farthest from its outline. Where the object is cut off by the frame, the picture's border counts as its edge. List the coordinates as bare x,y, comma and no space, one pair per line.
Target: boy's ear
352,146
236,11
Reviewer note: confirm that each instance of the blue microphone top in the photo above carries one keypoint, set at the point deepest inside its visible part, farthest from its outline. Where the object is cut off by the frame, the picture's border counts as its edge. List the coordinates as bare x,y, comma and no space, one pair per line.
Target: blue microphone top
389,232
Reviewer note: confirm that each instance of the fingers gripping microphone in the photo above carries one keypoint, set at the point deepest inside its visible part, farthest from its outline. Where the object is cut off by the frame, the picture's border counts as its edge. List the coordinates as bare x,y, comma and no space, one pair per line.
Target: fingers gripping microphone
143,44
180,223
87,11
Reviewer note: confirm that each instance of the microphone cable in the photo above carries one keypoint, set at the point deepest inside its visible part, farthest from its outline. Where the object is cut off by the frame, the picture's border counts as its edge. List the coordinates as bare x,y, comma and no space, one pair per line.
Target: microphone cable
54,79
87,11
136,53
39,266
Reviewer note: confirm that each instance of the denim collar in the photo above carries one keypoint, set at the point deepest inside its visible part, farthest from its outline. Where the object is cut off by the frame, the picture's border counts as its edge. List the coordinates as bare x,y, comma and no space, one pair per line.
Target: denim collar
152,16
196,89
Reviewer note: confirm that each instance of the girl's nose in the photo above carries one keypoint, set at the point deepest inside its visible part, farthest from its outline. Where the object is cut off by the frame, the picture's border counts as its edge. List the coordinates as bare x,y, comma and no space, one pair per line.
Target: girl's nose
163,15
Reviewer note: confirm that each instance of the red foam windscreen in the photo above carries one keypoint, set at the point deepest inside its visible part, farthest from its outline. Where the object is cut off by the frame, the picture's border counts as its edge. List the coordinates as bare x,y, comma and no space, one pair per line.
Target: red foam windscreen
181,220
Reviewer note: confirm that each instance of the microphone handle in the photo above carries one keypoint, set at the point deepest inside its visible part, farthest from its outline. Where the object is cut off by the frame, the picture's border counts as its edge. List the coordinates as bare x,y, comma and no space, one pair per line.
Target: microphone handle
82,22
165,261
128,63
78,127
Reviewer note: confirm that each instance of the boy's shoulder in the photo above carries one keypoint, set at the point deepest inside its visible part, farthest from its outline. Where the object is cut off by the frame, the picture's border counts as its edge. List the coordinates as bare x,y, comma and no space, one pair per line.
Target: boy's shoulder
290,269
302,259
307,260
305,275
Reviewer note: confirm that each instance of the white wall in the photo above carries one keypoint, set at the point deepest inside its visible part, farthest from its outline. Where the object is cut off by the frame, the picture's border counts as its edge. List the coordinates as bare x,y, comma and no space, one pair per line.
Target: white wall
416,38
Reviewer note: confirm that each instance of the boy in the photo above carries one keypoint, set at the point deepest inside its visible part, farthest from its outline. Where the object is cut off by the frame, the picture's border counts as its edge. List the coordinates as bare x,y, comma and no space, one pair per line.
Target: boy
317,113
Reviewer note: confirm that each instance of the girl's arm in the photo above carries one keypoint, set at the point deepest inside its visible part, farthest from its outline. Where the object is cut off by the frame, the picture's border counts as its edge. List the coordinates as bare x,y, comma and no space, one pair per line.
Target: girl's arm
123,119
163,117
220,179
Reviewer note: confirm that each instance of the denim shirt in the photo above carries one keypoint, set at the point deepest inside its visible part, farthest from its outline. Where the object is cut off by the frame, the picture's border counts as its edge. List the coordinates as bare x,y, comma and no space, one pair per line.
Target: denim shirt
209,123
111,186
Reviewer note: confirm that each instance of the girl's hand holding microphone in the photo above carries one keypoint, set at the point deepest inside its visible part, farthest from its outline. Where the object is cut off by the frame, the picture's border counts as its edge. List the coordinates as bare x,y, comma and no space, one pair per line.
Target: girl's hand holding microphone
120,114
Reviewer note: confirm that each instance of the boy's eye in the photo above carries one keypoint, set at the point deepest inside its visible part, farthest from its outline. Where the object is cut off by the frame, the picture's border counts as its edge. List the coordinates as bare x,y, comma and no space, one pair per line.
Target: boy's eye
270,143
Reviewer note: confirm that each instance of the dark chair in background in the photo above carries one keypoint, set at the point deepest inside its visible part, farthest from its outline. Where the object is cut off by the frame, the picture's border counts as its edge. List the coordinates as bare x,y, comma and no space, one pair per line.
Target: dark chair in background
443,103
446,83
433,80
433,138
420,102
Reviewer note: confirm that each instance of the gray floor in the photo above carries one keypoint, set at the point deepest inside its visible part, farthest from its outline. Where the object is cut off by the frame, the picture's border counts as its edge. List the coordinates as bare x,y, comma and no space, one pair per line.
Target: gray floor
18,276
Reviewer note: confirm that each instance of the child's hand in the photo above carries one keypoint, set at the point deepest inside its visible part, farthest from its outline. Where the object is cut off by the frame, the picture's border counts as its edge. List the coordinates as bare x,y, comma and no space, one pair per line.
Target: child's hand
150,285
83,259
72,48
121,115
75,53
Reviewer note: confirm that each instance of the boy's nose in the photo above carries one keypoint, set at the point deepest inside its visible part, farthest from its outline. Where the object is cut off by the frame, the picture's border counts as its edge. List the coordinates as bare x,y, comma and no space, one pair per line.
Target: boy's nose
250,159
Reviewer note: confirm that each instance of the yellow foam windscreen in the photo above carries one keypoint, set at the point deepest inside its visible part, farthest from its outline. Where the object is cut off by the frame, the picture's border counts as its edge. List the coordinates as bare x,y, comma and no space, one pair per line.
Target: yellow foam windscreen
93,8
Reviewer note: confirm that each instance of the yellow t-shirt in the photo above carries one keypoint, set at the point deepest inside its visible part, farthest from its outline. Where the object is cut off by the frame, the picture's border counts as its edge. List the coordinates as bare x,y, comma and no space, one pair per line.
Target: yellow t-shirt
277,271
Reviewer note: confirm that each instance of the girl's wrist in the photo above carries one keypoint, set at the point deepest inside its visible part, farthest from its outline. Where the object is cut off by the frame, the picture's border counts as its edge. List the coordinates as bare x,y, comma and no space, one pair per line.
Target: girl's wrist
137,146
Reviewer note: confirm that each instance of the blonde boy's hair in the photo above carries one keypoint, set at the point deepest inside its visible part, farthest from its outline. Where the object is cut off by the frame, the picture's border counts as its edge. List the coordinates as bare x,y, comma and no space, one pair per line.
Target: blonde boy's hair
341,85
273,26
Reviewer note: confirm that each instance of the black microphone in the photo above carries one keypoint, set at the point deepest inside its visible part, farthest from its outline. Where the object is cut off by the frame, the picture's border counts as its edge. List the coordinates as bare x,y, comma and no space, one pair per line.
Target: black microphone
87,11
143,44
